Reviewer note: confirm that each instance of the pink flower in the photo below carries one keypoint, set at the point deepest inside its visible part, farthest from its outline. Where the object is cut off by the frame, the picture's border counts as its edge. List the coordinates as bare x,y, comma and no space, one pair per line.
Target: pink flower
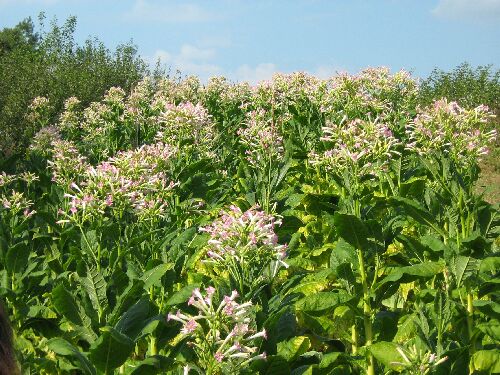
109,201
219,356
189,326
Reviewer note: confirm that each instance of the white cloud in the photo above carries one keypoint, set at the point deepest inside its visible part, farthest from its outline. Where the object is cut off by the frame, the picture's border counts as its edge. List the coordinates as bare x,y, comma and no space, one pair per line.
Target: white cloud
190,60
468,9
254,74
171,11
193,60
326,71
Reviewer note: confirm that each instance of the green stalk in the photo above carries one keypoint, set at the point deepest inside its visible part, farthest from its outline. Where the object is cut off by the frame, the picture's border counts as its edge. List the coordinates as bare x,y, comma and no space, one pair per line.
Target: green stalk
366,314
470,329
153,349
354,338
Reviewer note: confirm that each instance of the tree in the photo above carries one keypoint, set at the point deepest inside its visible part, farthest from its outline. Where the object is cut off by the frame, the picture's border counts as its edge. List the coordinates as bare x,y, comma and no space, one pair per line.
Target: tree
54,65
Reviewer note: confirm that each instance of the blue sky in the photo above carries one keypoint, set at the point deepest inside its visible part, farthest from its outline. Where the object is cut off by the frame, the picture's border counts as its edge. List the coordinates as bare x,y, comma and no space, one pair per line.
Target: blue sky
252,39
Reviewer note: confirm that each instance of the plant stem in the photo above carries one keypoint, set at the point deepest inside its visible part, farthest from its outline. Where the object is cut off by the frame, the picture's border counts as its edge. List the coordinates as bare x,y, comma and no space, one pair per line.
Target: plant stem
470,328
366,314
153,350
354,337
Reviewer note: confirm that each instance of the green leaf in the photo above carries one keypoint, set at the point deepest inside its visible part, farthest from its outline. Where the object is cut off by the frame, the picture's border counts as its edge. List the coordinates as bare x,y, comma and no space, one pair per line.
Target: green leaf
153,365
343,252
95,286
293,348
154,275
491,328
64,348
414,187
323,302
65,304
386,353
487,360
17,257
352,230
130,296
182,295
418,213
489,308
110,350
409,273
135,319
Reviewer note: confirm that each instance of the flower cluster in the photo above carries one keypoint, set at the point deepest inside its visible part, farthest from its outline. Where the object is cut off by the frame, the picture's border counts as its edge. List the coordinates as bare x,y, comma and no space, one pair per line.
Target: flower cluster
447,128
363,144
69,121
67,164
6,179
261,139
133,181
222,335
41,144
185,121
39,111
16,202
373,93
245,245
416,361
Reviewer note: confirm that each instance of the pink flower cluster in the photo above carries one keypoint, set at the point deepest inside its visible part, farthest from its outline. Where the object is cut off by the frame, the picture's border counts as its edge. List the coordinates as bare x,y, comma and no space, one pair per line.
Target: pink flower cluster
67,164
184,121
16,203
227,333
133,180
365,144
243,235
261,138
447,128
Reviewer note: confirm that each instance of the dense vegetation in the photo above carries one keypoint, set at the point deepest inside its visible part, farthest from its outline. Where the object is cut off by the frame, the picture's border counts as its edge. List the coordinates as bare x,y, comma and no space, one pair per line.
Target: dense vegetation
51,64
300,226
466,85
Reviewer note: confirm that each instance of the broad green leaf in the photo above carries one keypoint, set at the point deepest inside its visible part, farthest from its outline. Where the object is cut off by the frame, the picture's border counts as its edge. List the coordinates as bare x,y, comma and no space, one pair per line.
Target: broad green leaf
136,318
154,275
181,296
386,353
409,273
420,214
65,304
273,365
489,308
491,328
64,348
17,257
343,252
352,230
322,302
459,266
110,350
95,286
309,287
129,297
293,348
487,360
320,325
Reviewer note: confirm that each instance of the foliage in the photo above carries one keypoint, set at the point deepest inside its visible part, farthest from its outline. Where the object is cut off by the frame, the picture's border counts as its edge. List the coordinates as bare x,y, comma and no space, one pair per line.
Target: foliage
339,211
52,64
466,85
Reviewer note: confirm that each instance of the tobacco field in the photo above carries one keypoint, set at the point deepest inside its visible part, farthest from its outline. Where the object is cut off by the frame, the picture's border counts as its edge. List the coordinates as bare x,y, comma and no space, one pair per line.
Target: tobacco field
298,226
